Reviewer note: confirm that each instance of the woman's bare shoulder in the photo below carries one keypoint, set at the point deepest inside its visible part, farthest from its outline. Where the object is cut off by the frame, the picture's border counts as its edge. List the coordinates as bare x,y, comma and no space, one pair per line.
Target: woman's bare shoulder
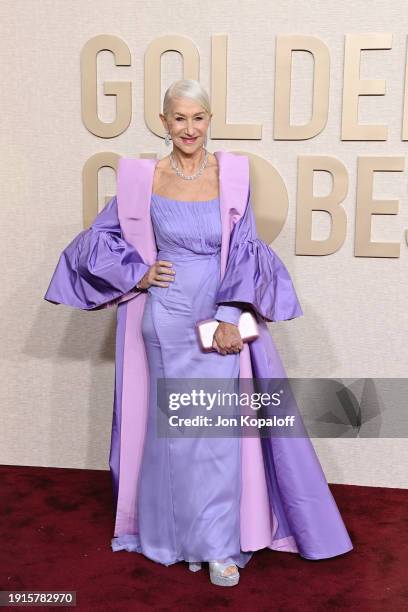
163,163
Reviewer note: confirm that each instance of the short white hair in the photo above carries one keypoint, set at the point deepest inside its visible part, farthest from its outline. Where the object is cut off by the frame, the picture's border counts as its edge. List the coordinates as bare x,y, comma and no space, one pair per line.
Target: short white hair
186,88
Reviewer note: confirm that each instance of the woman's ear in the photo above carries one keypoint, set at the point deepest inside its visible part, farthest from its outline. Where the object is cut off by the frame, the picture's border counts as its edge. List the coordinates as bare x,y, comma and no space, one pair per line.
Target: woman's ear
164,122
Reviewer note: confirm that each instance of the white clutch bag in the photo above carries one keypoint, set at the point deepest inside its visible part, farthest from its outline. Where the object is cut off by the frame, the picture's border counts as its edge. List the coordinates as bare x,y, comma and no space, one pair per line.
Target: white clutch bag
247,326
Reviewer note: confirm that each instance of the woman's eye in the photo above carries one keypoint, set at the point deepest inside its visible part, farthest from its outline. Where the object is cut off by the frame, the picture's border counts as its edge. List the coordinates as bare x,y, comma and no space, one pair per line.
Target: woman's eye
179,118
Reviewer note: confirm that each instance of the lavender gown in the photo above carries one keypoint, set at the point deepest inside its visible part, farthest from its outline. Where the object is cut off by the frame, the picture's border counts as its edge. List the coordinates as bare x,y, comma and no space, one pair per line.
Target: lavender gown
203,523
188,498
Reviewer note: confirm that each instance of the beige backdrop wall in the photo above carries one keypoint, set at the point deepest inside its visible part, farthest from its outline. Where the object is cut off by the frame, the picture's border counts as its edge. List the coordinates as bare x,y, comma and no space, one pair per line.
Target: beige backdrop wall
58,363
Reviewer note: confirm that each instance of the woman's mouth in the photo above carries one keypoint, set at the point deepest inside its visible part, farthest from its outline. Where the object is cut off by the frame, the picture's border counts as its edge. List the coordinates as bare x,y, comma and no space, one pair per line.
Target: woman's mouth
189,140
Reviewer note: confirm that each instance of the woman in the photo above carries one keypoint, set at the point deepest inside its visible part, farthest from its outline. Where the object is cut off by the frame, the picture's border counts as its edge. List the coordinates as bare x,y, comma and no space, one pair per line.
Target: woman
196,498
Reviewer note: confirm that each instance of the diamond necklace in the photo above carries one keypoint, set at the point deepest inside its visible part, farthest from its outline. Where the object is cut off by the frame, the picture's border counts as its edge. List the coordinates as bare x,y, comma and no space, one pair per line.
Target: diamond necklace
192,176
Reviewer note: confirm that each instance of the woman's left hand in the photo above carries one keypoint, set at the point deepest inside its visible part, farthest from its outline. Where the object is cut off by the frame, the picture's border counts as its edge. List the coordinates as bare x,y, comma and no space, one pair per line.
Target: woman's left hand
227,339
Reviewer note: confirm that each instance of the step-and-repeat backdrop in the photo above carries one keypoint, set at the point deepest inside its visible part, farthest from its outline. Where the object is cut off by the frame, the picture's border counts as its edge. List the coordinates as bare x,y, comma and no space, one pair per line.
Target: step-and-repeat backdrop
318,99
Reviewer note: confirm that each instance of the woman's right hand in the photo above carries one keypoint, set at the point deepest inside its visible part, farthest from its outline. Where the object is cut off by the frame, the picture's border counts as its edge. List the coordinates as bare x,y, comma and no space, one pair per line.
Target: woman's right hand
159,274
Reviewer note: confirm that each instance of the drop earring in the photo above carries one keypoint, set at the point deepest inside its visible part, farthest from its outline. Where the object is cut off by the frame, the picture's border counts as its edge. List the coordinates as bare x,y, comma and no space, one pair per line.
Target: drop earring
167,139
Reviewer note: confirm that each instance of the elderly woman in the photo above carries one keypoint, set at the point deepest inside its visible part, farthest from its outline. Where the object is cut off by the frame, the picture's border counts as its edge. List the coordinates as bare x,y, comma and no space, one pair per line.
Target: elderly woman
157,250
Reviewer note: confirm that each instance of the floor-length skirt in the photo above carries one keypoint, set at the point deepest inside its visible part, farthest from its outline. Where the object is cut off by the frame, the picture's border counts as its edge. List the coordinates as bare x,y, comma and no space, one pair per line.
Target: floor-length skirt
189,487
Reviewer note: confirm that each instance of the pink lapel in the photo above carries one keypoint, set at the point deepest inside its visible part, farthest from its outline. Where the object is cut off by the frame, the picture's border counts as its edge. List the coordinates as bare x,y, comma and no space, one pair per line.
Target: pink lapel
234,185
134,190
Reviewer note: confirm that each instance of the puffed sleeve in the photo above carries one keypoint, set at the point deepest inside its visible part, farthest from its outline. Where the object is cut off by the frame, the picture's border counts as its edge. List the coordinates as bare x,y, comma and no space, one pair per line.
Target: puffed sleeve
255,276
98,269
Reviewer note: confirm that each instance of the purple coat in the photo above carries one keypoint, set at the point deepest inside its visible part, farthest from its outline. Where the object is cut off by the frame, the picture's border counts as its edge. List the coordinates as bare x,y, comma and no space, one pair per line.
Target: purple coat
286,503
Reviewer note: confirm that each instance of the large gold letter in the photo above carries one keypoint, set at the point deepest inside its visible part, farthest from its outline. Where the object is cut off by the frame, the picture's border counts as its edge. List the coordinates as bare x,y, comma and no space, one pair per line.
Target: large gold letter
308,202
354,87
120,89
367,206
219,126
285,45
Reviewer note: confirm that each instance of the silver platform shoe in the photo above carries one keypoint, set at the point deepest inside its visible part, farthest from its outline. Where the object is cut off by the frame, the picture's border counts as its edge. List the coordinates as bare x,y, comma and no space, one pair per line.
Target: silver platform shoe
217,569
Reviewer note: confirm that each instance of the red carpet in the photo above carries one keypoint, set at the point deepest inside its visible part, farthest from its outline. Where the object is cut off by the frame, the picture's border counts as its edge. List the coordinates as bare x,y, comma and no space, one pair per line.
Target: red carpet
56,526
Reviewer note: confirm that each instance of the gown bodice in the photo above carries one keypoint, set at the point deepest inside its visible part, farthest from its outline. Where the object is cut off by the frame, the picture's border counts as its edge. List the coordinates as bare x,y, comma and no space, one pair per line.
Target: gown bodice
188,233
186,227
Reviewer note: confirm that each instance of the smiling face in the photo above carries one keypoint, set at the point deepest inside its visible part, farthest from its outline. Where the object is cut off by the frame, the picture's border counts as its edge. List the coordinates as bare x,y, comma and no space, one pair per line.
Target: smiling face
187,123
